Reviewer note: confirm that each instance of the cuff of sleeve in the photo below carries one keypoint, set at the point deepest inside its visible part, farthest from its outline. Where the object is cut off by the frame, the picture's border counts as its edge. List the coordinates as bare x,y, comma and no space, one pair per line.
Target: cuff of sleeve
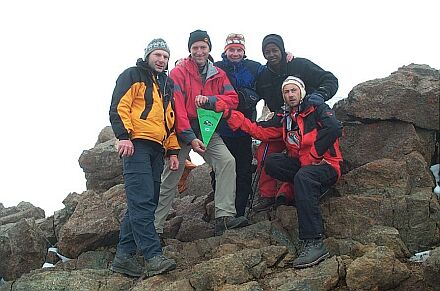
188,137
315,155
211,102
172,152
124,136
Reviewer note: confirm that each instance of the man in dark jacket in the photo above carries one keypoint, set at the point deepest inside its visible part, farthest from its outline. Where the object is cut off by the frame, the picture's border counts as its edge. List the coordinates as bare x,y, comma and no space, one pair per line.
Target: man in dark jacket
142,118
243,74
321,85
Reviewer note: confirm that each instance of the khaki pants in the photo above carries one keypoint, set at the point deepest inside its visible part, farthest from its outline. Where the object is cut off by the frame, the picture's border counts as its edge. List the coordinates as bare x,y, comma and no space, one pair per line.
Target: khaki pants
220,159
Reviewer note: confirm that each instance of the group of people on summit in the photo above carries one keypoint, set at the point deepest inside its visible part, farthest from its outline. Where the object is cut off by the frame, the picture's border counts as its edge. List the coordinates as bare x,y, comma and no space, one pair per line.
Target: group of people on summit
154,117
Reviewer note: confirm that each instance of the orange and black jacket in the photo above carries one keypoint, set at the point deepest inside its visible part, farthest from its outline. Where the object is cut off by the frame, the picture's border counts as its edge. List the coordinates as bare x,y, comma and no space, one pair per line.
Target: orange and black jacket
143,107
310,134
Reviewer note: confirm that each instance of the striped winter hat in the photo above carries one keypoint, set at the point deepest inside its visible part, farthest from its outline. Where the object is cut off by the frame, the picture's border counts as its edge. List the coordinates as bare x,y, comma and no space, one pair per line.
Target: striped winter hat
235,40
156,44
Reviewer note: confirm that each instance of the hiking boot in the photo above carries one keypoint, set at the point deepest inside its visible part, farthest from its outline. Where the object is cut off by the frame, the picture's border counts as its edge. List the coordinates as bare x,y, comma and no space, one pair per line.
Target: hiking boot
159,264
126,264
281,200
314,251
263,204
229,222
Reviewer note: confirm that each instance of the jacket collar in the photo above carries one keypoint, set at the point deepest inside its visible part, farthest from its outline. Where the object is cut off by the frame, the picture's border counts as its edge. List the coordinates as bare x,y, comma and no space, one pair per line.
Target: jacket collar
192,67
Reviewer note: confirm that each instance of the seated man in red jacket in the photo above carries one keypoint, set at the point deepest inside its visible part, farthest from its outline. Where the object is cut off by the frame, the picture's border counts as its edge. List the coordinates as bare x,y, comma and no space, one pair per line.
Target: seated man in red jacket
312,162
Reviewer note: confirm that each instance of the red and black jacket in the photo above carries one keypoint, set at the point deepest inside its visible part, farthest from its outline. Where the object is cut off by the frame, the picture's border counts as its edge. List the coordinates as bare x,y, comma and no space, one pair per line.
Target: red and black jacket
311,133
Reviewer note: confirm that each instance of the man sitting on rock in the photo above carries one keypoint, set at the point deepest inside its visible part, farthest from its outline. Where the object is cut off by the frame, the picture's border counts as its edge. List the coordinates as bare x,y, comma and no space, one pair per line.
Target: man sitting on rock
312,162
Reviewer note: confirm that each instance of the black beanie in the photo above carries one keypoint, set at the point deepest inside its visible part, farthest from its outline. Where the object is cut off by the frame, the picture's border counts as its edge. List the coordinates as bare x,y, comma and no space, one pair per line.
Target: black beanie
198,35
276,40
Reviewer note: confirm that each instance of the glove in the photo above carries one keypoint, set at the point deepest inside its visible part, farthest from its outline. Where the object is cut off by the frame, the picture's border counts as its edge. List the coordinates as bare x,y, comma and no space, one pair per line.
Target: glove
314,99
235,119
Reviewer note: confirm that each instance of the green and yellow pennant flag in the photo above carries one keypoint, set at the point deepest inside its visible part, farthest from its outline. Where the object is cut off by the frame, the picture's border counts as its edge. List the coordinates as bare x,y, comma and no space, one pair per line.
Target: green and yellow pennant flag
208,121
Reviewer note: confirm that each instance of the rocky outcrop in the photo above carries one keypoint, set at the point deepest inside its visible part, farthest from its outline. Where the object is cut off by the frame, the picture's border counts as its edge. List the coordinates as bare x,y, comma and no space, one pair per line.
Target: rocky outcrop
391,117
84,279
19,212
410,95
380,213
22,248
377,269
102,166
93,224
431,268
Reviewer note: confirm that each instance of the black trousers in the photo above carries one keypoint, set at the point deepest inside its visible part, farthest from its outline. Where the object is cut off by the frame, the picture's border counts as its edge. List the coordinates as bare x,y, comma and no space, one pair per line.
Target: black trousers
142,173
241,150
308,182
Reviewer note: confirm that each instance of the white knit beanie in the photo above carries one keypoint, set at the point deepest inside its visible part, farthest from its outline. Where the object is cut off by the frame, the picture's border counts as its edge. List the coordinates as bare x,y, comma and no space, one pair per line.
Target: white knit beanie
296,81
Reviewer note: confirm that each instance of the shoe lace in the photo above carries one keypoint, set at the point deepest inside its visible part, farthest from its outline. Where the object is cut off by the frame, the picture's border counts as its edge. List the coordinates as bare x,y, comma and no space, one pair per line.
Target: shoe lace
157,260
132,258
308,245
161,258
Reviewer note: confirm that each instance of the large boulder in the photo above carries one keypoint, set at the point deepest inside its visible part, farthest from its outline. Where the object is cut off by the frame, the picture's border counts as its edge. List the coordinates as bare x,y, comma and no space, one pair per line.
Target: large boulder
364,143
198,181
415,216
22,248
380,177
61,216
17,213
431,268
102,166
87,279
410,95
94,223
106,134
24,236
378,269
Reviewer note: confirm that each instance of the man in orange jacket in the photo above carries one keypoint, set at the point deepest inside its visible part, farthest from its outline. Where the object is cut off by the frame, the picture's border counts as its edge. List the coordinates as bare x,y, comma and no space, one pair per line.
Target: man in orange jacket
142,118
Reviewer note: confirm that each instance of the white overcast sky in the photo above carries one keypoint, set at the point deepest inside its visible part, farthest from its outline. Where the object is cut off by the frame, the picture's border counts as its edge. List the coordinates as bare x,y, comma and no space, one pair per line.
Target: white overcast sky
59,61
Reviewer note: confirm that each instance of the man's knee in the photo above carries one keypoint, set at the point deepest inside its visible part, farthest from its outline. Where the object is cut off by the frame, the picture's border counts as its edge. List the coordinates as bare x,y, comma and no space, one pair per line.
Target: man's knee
270,165
228,161
304,174
305,184
274,162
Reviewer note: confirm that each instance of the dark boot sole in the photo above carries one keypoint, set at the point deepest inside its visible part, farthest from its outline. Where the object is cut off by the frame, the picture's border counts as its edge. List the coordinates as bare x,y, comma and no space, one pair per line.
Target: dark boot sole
221,230
241,224
315,262
258,208
125,271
